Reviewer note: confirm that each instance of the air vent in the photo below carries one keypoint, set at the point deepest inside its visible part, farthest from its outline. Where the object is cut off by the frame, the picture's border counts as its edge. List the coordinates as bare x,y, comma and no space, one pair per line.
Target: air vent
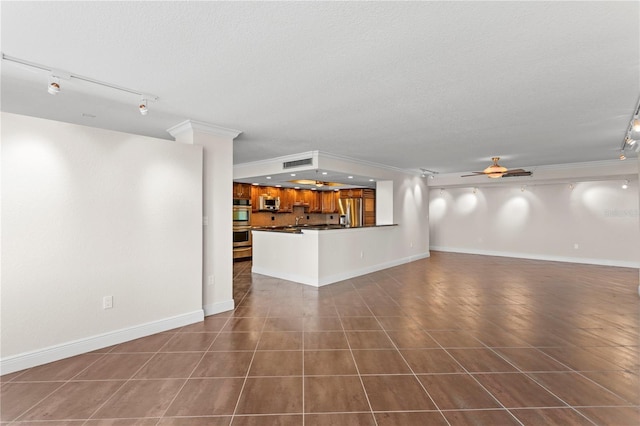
297,163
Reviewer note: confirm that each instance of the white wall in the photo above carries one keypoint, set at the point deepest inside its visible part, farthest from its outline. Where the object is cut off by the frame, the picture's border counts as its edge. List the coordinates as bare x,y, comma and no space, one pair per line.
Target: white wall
88,213
545,221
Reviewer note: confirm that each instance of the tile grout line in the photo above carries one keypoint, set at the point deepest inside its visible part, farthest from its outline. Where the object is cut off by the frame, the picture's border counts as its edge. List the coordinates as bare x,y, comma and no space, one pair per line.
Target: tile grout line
246,377
530,377
353,358
402,356
64,382
447,352
128,380
193,370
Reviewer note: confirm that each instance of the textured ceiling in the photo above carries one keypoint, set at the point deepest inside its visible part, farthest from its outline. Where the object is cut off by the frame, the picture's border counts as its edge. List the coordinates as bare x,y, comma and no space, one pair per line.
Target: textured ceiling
439,85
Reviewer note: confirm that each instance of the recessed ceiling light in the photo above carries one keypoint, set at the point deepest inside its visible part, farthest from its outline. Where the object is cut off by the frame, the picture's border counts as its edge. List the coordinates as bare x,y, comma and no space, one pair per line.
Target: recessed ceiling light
255,184
278,186
372,180
268,177
293,174
324,173
349,177
296,187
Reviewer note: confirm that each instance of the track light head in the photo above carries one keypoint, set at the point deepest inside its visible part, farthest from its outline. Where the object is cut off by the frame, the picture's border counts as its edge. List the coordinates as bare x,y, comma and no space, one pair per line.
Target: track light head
622,156
635,124
143,107
54,85
630,142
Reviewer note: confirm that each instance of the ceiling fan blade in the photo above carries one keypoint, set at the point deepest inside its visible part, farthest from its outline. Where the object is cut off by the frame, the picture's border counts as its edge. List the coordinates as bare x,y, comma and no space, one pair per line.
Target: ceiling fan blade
516,173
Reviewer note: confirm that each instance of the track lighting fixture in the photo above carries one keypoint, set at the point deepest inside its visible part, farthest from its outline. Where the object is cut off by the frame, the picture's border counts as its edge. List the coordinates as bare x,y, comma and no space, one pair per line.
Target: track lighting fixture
143,107
55,75
634,126
426,172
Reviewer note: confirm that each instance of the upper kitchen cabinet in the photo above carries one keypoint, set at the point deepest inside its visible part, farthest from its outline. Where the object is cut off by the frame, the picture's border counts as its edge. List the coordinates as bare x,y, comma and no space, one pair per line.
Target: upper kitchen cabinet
287,199
313,200
351,193
369,201
241,191
330,201
256,192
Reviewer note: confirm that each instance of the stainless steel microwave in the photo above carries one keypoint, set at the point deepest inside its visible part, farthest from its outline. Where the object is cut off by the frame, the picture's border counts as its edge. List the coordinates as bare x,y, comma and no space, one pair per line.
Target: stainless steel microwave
268,202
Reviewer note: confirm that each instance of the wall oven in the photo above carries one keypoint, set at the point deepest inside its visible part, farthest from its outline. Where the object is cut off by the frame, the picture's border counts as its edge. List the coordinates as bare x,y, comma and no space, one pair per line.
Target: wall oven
241,212
241,236
241,228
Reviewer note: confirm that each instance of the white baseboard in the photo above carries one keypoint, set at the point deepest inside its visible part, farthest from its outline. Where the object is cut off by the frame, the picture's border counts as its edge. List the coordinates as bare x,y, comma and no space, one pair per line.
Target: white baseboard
216,308
588,261
322,281
30,359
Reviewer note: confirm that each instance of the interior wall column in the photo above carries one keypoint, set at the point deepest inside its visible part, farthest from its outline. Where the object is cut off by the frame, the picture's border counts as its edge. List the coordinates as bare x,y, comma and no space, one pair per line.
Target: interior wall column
217,187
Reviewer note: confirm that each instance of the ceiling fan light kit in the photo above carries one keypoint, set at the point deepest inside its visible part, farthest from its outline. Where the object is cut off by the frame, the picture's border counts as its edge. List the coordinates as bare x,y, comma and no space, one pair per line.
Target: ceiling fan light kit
495,171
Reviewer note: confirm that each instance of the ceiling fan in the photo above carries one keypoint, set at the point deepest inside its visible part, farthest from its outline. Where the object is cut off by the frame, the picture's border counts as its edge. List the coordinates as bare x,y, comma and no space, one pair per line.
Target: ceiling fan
497,171
316,183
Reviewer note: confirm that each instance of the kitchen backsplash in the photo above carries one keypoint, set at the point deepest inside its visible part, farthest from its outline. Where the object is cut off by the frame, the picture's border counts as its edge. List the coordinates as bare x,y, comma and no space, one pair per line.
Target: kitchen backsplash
283,219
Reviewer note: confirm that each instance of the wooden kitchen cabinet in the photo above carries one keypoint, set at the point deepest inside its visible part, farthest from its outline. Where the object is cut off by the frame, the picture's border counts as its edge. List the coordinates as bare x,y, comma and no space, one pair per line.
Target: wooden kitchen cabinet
313,200
351,193
330,201
256,192
287,199
369,208
241,191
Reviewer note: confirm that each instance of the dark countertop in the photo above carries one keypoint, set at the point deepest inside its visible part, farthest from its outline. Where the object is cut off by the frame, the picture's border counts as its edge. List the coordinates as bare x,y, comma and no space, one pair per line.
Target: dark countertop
297,229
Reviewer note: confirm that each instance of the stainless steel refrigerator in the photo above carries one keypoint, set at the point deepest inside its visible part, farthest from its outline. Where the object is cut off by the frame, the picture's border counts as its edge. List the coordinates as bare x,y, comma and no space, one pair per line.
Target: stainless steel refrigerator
350,212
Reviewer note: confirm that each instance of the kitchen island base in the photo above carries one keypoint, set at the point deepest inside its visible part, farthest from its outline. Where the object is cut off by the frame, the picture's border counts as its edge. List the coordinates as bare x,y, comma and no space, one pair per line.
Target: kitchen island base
321,257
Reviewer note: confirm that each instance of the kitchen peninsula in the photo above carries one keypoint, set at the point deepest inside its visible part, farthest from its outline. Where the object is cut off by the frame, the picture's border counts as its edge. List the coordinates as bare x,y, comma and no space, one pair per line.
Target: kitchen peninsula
321,255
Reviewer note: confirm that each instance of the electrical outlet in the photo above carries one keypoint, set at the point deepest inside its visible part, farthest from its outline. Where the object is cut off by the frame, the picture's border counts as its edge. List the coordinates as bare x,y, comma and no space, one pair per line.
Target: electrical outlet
211,280
205,220
107,302
576,246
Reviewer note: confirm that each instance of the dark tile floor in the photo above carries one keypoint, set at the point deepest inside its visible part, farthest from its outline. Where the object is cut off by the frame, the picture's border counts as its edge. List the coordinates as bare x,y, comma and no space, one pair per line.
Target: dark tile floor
454,339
